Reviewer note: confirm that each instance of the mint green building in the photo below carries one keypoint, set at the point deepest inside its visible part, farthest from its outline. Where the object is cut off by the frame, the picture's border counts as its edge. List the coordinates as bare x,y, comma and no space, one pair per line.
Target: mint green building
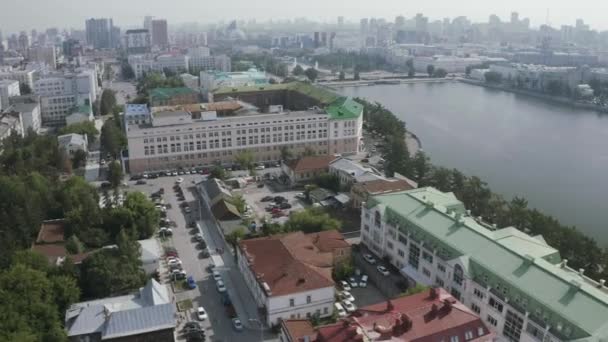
517,283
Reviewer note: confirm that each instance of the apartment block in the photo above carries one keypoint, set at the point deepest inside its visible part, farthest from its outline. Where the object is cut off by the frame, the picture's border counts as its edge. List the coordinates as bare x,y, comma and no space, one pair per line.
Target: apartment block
518,284
207,134
8,88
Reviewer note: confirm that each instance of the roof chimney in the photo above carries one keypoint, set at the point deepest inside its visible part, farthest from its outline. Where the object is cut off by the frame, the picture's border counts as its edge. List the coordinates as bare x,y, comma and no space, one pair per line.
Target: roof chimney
564,263
433,293
581,271
447,305
434,310
602,282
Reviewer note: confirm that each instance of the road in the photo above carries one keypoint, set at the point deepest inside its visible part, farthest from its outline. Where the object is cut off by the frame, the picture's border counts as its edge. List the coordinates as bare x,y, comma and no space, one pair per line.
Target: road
219,326
124,90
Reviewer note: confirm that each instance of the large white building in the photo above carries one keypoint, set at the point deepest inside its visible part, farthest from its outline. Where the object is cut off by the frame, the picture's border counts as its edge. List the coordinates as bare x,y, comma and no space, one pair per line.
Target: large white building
448,63
517,283
196,60
137,41
22,76
211,80
8,88
28,109
61,95
213,134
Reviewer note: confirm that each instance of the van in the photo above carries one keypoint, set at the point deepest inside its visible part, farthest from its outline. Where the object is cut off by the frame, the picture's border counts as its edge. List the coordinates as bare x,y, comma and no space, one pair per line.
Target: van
340,310
363,282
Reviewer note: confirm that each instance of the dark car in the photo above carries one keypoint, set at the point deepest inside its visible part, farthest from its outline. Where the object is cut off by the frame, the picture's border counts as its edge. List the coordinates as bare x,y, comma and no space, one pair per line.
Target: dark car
141,182
260,185
136,177
285,205
191,326
106,185
280,199
267,198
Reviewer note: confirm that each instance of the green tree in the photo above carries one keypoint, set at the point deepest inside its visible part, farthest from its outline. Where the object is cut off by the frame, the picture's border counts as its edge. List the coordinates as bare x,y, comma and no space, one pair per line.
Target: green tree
108,101
343,270
115,174
24,89
286,153
430,69
397,156
144,216
113,140
272,80
356,73
411,71
418,288
31,259
66,291
312,74
235,236
297,70
127,71
218,172
87,127
73,245
245,159
421,167
341,76
311,220
328,181
239,202
493,77
79,159
440,73
554,88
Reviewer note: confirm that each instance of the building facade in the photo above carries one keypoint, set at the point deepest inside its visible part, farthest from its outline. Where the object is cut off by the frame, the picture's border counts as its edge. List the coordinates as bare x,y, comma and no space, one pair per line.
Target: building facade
99,33
517,283
22,76
137,41
160,33
211,80
8,88
199,138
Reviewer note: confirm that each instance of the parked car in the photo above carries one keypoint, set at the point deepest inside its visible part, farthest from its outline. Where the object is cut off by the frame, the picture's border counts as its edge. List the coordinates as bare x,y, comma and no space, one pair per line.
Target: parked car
260,185
201,314
237,324
260,167
340,310
280,199
217,276
353,282
344,285
179,180
221,288
165,231
345,295
191,326
141,182
349,306
191,283
174,261
178,274
363,282
187,210
369,258
267,198
383,270
300,195
285,205
199,237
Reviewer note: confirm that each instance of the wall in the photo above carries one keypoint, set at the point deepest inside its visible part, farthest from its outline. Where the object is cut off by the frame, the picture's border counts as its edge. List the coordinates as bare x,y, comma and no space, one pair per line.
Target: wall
321,299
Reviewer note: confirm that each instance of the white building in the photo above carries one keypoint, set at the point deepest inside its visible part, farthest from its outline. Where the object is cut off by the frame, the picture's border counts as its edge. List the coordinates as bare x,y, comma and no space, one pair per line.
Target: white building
289,276
517,283
10,123
350,172
46,55
136,114
174,62
450,64
29,112
213,79
73,142
137,41
8,88
22,76
190,81
196,135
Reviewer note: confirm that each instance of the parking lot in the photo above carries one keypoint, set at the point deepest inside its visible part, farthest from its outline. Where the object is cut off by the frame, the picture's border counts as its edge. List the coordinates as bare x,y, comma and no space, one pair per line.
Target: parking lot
218,326
261,198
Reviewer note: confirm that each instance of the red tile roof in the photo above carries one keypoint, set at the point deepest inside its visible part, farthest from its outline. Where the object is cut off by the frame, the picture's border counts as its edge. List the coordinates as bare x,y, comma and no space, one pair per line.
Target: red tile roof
382,186
51,231
420,317
311,163
298,329
290,263
51,242
328,240
55,251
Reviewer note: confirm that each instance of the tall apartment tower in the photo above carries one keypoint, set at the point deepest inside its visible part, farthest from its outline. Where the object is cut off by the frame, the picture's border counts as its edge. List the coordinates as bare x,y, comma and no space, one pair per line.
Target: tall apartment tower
99,33
160,34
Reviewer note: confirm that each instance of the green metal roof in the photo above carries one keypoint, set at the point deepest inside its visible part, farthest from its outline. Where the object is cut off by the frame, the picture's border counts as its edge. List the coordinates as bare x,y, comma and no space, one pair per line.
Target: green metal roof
166,93
322,95
344,108
526,265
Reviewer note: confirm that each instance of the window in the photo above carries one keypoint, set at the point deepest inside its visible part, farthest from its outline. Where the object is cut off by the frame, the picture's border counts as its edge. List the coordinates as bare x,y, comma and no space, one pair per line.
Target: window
455,293
492,320
495,304
308,315
475,308
480,331
478,293
454,338
439,281
308,299
401,253
468,335
292,302
458,274
403,239
366,227
414,256
389,245
377,219
513,325
427,256
325,310
426,272
441,268
535,331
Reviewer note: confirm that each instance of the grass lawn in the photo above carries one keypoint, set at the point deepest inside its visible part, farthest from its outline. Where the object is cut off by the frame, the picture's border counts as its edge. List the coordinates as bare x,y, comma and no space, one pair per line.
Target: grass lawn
184,305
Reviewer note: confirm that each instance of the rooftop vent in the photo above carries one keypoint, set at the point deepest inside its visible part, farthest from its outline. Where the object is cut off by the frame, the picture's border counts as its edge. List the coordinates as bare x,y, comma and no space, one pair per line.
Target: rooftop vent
468,212
602,283
581,271
564,263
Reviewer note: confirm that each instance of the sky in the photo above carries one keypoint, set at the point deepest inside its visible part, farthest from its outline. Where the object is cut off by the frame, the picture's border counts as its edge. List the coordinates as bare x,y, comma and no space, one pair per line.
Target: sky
16,15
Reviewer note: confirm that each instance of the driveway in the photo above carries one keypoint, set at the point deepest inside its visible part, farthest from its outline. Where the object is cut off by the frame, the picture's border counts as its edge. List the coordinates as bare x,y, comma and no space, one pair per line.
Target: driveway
386,284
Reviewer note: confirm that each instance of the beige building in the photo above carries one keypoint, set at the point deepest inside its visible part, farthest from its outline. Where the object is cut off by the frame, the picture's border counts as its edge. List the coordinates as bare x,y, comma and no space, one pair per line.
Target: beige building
191,136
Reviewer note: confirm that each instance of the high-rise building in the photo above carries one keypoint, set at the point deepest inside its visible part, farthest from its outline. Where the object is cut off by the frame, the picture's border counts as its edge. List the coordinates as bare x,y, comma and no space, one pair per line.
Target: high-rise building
340,21
148,23
400,21
317,39
99,33
23,43
46,55
137,41
364,25
160,34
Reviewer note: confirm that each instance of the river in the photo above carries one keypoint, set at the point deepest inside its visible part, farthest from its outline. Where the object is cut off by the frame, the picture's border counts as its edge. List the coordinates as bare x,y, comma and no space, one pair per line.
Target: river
554,156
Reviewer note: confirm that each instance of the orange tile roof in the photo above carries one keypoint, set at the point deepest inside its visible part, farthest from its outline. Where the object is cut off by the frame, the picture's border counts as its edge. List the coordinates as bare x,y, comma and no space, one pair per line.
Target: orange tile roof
328,240
382,186
298,329
56,251
311,163
289,263
51,231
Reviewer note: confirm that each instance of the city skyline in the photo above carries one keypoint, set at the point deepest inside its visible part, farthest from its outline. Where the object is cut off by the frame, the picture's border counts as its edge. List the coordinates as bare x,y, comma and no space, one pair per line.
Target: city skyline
51,14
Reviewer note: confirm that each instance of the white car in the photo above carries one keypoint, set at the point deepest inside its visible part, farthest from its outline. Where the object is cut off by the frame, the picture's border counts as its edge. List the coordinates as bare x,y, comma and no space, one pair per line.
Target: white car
260,167
344,285
221,288
349,306
174,262
383,270
345,295
217,276
353,282
179,180
165,231
369,258
201,314
363,282
174,173
340,310
300,195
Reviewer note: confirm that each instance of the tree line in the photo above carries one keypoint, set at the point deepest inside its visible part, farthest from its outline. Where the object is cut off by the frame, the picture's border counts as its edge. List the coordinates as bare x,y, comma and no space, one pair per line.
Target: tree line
581,251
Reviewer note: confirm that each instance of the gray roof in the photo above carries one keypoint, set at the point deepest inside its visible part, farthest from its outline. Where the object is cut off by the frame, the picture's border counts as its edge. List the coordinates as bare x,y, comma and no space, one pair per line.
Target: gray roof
72,138
150,250
139,321
214,188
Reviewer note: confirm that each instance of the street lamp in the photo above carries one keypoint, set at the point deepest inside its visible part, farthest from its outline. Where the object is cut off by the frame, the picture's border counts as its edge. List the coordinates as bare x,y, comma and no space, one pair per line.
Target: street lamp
261,327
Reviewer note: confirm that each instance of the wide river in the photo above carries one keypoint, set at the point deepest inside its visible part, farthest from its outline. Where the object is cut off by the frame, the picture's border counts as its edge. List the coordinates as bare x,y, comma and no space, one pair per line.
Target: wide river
555,156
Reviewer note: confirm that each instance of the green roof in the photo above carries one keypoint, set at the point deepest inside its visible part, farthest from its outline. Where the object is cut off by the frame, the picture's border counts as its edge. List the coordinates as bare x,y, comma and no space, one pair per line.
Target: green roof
526,265
82,109
344,108
324,96
157,94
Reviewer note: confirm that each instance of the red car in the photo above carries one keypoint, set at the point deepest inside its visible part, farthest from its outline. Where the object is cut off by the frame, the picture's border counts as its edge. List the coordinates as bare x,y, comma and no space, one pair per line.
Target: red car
172,254
278,214
275,210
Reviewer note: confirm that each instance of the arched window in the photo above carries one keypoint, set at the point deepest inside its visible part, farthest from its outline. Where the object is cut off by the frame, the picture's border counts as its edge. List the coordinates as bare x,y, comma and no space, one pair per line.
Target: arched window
377,219
458,274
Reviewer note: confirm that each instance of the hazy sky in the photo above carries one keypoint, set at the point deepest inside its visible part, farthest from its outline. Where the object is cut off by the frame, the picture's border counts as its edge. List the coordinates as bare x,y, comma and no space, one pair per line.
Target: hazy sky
27,14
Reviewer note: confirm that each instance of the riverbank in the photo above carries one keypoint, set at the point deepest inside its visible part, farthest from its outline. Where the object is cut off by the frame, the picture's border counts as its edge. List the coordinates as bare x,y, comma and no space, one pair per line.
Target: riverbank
413,143
385,82
555,99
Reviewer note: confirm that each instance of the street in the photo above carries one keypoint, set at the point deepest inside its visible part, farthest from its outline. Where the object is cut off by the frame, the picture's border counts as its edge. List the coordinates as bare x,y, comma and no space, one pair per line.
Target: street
219,326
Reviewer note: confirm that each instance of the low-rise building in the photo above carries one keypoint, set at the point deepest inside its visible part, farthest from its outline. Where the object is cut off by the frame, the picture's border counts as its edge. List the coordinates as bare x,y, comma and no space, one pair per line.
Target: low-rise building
10,123
350,172
218,197
28,109
8,88
517,283
22,76
173,96
190,81
50,242
360,192
448,63
211,80
73,142
289,275
136,114
146,315
306,168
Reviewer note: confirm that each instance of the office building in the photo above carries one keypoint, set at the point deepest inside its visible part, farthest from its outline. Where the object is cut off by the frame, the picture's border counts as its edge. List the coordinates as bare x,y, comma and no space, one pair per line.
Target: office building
137,41
517,283
289,275
160,33
202,135
73,142
10,123
46,55
211,80
28,108
8,88
99,33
